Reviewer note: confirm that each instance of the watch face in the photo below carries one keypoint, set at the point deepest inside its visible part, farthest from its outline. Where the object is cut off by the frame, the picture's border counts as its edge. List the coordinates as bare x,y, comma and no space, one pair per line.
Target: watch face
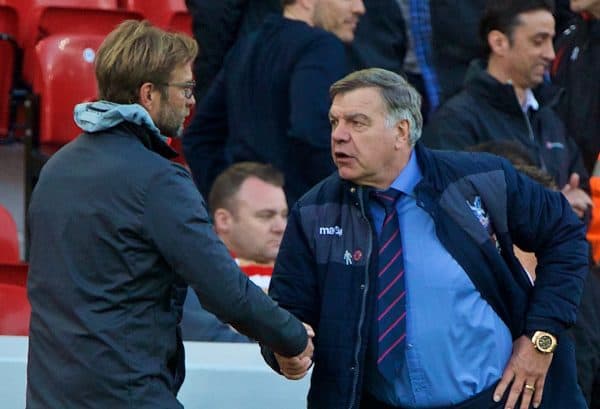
545,342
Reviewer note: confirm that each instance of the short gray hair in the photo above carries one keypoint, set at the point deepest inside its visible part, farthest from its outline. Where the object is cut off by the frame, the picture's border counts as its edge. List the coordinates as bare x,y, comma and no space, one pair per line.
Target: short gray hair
401,100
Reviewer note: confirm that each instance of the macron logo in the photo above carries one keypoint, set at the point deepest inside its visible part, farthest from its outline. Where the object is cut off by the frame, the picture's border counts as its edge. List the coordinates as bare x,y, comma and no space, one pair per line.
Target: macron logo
330,231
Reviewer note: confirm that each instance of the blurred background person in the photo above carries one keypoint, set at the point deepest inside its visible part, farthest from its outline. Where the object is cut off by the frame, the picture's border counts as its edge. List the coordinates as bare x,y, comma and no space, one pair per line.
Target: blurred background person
269,101
249,212
216,26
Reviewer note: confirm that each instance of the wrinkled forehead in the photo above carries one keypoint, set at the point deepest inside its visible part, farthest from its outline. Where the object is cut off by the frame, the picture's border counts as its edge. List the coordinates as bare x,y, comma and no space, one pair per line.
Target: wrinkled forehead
366,100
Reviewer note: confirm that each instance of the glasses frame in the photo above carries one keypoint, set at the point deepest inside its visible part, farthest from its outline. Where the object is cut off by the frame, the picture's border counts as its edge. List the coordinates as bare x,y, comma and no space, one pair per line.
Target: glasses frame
187,87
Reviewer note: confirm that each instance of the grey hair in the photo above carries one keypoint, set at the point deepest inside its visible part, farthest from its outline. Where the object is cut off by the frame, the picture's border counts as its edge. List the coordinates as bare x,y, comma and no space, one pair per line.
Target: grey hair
401,100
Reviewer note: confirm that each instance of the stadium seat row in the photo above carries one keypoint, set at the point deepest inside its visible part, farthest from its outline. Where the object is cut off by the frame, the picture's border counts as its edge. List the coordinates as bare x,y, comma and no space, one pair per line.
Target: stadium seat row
58,40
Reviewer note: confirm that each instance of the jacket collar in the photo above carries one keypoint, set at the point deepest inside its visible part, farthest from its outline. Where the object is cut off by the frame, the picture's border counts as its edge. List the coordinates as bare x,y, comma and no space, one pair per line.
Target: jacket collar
149,139
482,85
95,117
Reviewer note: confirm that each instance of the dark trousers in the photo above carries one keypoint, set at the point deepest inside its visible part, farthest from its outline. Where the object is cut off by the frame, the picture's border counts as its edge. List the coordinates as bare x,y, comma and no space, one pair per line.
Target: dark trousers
482,400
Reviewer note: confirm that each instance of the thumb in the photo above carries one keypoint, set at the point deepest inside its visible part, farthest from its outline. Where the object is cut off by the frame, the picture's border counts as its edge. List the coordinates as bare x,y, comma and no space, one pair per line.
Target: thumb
574,180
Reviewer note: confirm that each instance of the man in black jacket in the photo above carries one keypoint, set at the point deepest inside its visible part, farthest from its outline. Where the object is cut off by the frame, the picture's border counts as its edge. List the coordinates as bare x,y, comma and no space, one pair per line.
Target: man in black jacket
380,38
118,230
269,102
216,26
506,99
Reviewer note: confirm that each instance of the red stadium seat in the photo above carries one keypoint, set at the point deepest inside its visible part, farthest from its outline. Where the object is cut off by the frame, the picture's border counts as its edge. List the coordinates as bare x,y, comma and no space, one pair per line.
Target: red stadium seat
8,53
60,67
64,77
55,20
31,11
168,14
9,239
15,309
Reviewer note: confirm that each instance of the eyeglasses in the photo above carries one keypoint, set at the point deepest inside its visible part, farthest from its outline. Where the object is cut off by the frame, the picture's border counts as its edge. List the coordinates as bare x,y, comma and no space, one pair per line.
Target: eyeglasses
187,87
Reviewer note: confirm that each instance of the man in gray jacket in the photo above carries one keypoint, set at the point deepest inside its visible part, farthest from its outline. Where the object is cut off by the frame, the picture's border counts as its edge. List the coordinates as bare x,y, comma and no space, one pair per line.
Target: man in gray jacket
117,231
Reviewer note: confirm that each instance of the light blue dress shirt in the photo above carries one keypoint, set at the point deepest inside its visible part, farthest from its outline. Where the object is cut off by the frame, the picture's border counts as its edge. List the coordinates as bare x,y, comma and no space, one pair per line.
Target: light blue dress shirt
456,345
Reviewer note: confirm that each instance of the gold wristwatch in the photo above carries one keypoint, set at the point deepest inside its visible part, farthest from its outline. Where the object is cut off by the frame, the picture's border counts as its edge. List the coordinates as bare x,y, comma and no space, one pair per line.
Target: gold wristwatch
544,342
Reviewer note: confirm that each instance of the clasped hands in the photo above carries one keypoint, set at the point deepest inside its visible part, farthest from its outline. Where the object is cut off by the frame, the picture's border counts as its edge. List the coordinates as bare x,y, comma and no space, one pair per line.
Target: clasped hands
296,367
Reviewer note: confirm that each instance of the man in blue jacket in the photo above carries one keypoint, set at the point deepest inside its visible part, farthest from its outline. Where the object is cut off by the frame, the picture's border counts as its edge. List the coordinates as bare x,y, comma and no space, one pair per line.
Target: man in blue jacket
118,231
449,319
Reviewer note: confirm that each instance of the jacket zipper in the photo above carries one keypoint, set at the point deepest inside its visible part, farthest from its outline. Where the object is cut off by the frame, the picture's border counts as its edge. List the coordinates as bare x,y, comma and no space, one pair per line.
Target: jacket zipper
364,298
530,132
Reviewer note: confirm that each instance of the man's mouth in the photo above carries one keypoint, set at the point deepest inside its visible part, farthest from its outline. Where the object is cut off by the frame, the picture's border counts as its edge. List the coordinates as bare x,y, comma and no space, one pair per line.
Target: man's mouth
342,155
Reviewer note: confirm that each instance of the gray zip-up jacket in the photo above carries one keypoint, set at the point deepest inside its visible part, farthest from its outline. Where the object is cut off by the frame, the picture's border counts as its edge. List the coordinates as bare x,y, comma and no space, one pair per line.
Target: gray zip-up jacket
116,230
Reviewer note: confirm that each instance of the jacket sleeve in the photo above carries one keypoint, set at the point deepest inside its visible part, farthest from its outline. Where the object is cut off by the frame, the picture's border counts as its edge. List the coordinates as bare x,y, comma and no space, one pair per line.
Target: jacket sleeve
294,284
205,138
542,221
321,64
177,224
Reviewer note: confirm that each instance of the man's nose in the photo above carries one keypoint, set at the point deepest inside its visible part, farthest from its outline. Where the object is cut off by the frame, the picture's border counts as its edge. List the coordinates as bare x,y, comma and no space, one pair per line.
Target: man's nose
279,224
358,7
340,133
549,52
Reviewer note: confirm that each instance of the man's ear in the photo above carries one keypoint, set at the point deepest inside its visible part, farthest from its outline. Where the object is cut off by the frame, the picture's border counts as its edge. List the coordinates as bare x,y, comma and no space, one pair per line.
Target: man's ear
147,95
498,42
403,129
222,220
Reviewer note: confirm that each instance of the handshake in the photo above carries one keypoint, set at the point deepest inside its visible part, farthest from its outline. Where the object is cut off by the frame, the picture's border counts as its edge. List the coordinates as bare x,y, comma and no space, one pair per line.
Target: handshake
297,366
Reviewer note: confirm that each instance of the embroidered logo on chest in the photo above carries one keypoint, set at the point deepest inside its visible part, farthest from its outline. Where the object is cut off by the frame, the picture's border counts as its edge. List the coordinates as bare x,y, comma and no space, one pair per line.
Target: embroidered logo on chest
330,231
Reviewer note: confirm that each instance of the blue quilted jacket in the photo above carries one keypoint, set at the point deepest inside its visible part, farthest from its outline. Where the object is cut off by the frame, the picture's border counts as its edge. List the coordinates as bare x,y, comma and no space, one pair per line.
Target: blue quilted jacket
312,280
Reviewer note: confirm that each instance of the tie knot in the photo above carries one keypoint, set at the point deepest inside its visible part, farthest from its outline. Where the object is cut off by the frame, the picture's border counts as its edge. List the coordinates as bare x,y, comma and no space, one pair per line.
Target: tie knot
387,198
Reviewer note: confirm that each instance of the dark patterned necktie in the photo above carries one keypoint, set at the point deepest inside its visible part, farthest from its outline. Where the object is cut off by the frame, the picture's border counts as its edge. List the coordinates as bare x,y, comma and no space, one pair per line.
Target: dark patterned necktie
391,306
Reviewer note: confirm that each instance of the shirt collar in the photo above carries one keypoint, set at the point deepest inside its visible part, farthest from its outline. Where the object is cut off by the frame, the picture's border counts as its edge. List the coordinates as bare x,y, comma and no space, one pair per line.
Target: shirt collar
409,176
530,101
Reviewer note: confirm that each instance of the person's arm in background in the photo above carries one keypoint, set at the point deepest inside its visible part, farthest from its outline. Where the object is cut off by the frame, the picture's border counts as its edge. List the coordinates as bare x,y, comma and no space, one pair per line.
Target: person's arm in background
294,284
322,63
176,222
205,138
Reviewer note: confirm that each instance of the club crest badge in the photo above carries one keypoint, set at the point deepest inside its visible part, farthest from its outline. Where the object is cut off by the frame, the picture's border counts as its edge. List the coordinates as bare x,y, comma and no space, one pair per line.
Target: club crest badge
479,212
483,218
